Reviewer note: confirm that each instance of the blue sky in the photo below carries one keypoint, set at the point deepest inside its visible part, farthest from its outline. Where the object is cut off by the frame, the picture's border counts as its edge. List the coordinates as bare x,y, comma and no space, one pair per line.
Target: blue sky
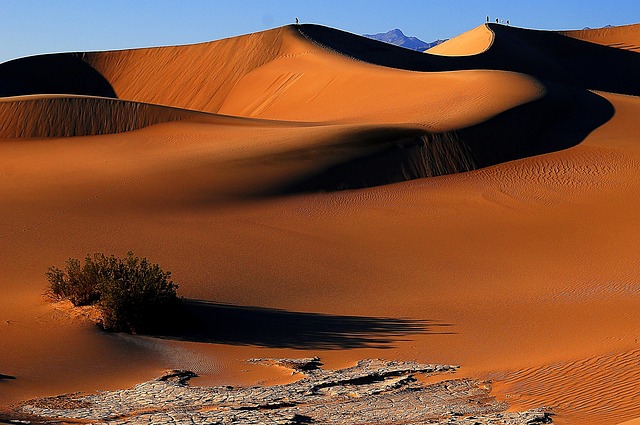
30,27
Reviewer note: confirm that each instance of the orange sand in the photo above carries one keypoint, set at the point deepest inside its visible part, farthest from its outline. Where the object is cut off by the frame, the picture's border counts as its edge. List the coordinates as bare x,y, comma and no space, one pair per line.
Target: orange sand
624,37
525,271
472,42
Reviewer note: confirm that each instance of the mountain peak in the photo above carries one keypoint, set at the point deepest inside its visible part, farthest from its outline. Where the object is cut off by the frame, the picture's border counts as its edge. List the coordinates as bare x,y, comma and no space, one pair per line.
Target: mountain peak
397,37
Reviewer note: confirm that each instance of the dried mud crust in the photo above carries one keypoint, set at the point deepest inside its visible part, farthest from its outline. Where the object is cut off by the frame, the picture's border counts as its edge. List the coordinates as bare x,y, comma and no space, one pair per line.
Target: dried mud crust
371,392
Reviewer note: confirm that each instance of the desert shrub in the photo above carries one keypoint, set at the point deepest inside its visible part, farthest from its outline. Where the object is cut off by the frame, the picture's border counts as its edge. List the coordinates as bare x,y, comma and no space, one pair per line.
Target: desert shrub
137,296
77,283
132,294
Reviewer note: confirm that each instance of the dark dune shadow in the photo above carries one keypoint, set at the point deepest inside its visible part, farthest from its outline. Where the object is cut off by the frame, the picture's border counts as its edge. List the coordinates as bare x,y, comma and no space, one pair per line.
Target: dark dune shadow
205,321
542,54
571,61
61,73
561,119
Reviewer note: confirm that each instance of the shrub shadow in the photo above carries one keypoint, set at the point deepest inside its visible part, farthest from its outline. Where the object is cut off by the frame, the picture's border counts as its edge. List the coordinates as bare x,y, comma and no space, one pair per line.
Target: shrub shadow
204,321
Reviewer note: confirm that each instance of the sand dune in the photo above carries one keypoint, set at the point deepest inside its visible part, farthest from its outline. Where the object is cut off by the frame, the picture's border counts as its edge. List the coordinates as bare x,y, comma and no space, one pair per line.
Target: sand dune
189,77
473,42
538,53
491,217
56,116
624,37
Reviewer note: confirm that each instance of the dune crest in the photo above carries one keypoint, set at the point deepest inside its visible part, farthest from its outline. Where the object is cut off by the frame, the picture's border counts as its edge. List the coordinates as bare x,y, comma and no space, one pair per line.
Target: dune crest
195,76
65,116
473,42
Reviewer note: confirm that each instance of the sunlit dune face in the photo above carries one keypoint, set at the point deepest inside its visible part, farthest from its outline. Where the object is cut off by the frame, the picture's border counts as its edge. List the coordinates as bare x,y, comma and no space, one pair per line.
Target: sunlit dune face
472,42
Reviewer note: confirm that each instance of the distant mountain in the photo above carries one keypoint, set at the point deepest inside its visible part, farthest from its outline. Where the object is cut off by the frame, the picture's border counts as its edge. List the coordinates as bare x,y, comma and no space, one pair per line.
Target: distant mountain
397,38
606,26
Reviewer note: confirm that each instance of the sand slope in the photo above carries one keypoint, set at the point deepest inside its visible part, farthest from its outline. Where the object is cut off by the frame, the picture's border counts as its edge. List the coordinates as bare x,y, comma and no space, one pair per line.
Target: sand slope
472,42
65,116
491,219
625,37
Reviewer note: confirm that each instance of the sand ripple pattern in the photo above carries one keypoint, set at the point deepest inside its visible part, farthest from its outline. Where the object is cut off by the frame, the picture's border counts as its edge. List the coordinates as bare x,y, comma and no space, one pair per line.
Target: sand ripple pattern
555,178
599,390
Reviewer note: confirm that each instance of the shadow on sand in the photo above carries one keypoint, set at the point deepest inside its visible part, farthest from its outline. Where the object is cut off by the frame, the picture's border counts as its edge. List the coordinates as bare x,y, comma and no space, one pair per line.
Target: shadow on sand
545,55
265,327
560,119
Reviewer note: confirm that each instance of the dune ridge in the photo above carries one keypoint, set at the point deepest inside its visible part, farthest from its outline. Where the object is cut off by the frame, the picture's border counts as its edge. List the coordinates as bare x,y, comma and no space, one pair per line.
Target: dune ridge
472,42
625,37
57,116
532,52
189,77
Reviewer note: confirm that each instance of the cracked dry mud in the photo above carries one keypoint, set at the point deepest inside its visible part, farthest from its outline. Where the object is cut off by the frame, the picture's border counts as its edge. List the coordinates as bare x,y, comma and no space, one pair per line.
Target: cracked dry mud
372,392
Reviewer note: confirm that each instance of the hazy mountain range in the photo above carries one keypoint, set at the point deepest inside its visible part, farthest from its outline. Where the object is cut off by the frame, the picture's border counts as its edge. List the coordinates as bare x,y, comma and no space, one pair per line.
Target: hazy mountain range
398,38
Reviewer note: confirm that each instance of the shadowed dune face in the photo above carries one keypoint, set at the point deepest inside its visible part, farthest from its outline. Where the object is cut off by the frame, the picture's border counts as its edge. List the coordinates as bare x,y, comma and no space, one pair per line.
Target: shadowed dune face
543,54
63,73
566,60
561,119
395,160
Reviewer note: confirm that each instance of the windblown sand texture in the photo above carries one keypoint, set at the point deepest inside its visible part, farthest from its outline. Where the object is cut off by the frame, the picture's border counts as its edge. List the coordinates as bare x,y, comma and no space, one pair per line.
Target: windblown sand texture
318,193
